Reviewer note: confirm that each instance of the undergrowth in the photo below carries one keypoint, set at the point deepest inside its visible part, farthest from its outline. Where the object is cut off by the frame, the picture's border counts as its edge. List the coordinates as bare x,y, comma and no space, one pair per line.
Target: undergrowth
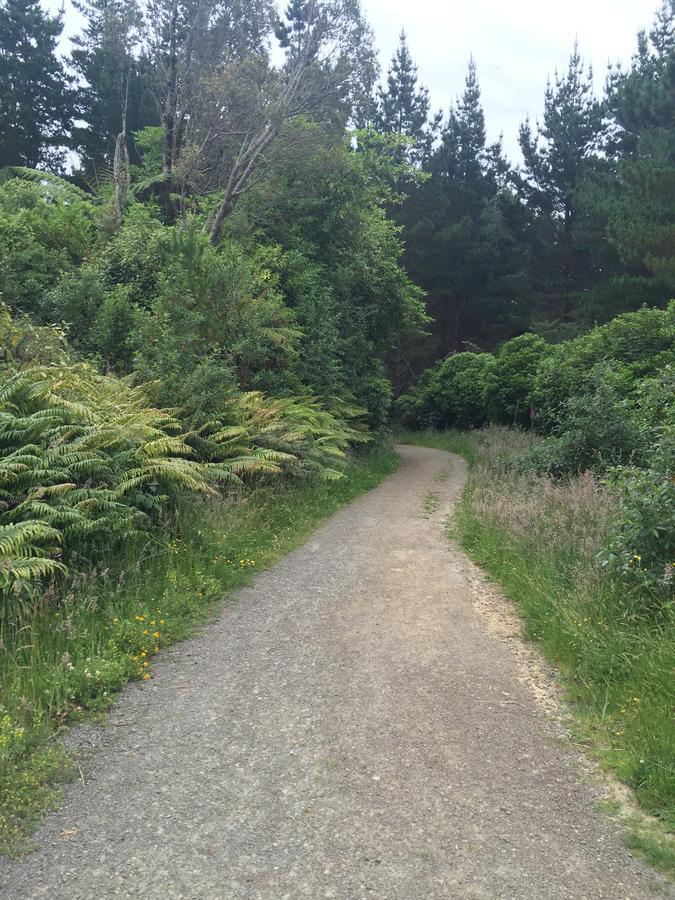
65,655
540,538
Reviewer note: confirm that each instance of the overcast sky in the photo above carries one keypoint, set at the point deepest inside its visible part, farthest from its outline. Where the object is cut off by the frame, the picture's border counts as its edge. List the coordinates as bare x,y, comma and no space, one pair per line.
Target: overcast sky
516,45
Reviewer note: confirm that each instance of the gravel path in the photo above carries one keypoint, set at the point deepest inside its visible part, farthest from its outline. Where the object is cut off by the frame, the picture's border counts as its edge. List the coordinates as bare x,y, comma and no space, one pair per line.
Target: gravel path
348,728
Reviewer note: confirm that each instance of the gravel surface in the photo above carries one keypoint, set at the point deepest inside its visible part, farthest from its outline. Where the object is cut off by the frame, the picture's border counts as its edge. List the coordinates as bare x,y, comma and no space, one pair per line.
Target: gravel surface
348,728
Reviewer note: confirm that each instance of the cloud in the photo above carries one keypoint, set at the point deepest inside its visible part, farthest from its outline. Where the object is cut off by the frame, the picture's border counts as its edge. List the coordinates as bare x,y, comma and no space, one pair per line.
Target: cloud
516,46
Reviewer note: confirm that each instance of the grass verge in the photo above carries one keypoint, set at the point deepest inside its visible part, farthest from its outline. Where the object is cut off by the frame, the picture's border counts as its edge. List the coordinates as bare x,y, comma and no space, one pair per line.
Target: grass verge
540,539
66,654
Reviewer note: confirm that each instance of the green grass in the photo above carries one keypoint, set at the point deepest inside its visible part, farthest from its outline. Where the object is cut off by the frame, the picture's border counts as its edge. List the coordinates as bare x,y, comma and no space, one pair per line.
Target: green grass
540,540
454,441
66,654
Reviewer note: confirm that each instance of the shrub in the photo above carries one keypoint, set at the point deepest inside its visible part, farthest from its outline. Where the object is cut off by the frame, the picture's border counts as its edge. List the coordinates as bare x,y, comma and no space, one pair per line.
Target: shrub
217,321
595,430
636,344
81,457
451,395
23,343
510,381
46,229
641,550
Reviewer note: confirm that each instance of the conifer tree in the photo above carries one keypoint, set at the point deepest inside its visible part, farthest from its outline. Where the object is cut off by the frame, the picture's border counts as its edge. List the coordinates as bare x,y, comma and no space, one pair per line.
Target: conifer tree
643,97
641,139
36,99
461,230
403,105
469,168
556,156
117,79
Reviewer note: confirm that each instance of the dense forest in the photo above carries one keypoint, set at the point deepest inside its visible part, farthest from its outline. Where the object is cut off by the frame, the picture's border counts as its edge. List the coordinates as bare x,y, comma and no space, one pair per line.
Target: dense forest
231,250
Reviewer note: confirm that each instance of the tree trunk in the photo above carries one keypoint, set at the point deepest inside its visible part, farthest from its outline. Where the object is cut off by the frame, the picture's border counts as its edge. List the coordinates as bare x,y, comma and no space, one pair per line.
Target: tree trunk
171,99
121,166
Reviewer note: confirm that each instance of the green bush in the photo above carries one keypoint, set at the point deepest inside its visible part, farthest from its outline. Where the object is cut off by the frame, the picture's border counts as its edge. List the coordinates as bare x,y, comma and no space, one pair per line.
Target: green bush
217,321
83,460
451,395
22,343
594,431
636,345
641,550
86,459
46,230
510,381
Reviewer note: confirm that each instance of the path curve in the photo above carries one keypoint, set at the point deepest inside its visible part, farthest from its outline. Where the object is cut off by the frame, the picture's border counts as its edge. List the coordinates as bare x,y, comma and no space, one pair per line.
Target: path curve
348,728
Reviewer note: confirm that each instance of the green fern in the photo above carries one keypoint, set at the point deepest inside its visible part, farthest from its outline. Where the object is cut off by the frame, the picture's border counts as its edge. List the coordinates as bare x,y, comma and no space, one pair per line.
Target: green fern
37,176
86,457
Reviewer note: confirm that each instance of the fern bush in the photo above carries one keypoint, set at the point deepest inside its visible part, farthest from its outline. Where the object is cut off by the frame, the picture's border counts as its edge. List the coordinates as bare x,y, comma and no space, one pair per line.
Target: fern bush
86,459
294,436
82,456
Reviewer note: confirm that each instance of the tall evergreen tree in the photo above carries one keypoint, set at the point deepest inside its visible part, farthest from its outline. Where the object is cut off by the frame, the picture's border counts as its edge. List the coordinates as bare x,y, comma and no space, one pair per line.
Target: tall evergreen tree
623,236
36,99
470,169
116,96
461,233
641,138
403,105
558,157
642,97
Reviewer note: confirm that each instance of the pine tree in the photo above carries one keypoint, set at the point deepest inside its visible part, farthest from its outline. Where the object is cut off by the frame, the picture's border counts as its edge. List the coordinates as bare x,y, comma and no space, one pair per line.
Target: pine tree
556,156
558,159
403,106
118,80
643,97
641,140
469,169
461,232
36,100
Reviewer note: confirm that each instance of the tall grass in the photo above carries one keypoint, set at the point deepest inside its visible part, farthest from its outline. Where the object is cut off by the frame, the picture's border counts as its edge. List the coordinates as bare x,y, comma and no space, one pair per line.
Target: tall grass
67,653
541,538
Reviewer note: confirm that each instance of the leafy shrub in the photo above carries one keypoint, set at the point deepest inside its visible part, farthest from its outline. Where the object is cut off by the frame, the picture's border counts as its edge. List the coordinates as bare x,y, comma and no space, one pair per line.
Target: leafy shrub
22,343
641,550
81,457
595,430
451,395
510,381
216,322
637,345
46,228
135,255
101,322
642,547
290,435
86,458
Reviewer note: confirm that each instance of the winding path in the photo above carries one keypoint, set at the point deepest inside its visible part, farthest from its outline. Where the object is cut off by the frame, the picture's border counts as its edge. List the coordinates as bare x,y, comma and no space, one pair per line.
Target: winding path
348,728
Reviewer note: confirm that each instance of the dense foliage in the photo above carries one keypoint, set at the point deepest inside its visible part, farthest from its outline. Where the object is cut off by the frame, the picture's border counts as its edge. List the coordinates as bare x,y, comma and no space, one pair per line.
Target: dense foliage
581,231
605,403
224,250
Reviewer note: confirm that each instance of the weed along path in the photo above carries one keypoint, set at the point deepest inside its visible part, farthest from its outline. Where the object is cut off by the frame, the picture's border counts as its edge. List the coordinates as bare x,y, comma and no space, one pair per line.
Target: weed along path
348,728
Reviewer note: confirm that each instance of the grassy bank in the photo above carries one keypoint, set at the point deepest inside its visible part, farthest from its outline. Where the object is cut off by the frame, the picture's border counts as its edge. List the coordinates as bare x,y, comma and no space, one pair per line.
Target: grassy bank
66,654
540,539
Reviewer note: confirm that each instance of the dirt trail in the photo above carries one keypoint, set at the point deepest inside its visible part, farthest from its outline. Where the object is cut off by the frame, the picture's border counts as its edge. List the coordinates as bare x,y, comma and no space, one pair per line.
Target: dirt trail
348,728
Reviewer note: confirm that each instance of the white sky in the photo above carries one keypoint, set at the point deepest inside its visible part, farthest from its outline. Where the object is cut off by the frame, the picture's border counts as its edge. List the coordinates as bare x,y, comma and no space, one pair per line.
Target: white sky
516,45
